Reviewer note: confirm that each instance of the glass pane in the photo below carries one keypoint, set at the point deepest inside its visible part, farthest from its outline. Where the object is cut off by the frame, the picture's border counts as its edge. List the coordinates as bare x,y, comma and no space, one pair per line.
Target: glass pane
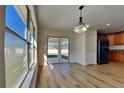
64,49
31,30
16,65
31,55
52,50
30,33
35,38
35,55
31,26
14,22
31,38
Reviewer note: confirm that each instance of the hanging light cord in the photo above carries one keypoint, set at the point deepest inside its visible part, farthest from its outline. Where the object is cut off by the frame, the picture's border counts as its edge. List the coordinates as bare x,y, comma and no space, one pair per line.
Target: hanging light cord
80,18
80,8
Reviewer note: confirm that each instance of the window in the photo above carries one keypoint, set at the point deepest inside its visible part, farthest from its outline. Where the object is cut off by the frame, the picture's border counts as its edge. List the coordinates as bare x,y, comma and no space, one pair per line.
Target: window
14,22
16,60
20,49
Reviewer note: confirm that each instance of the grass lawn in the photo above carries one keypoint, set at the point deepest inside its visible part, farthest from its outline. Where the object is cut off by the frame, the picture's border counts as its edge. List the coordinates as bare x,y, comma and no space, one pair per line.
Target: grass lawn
64,55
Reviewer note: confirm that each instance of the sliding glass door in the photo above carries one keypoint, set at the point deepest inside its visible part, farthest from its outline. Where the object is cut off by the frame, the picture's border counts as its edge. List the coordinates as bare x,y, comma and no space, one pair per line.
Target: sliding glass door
58,50
64,49
53,50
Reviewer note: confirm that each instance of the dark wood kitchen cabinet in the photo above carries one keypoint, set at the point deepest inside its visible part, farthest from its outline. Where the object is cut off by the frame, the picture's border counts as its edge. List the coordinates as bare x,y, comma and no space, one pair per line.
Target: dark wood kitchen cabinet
121,56
118,39
110,55
114,56
111,38
122,38
115,39
101,36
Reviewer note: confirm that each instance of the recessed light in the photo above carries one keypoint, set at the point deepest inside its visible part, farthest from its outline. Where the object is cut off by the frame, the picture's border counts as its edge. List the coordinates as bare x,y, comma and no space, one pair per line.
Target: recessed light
108,24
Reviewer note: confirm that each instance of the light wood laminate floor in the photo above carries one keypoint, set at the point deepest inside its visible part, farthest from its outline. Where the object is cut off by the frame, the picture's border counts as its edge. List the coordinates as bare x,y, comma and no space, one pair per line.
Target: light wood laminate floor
77,76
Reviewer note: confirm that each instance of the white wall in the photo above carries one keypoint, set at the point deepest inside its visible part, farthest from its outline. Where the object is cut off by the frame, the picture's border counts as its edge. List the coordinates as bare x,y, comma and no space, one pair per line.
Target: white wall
84,48
2,60
78,48
91,47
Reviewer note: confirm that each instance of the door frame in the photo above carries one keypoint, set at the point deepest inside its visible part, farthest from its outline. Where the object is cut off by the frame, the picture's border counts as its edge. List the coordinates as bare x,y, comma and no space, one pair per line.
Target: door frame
68,46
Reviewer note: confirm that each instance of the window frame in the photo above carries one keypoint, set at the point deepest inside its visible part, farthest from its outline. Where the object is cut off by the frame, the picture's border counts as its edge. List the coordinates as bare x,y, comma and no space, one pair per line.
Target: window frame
29,20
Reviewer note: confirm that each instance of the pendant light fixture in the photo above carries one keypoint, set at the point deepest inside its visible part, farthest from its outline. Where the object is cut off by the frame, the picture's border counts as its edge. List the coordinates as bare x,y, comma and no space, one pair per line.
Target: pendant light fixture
82,27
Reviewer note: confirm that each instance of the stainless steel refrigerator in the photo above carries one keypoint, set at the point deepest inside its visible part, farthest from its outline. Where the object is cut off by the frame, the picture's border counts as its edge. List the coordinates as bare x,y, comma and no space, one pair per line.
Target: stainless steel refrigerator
102,51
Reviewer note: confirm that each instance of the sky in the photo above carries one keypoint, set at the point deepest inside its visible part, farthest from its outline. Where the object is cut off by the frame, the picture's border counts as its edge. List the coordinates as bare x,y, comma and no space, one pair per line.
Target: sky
12,18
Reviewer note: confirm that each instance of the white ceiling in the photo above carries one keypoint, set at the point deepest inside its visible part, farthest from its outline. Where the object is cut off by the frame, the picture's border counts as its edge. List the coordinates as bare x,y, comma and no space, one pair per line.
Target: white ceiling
66,17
